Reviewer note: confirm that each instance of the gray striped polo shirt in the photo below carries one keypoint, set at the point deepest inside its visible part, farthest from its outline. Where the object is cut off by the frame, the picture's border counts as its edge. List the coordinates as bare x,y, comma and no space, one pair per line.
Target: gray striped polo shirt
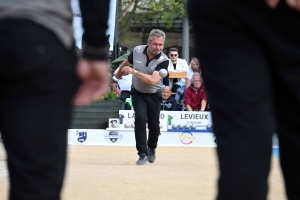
139,63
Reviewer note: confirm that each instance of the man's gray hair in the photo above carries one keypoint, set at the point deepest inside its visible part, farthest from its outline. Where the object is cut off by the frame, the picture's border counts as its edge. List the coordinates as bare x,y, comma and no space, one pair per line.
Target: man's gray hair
158,33
196,74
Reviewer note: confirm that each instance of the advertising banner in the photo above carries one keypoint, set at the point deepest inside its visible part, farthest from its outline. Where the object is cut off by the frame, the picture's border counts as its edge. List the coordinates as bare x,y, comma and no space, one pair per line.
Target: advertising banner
127,118
127,138
86,136
100,137
179,121
121,132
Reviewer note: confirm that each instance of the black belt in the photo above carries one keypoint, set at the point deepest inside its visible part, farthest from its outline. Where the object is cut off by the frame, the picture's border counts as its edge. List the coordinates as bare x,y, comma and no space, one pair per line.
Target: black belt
159,90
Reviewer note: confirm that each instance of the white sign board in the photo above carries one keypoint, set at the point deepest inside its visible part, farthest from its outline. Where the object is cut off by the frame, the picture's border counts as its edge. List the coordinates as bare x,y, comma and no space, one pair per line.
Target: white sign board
127,118
189,121
126,138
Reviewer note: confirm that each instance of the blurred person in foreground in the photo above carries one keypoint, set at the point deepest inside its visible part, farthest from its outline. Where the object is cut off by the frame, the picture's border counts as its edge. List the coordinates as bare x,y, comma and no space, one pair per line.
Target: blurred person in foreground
168,102
39,83
250,60
146,97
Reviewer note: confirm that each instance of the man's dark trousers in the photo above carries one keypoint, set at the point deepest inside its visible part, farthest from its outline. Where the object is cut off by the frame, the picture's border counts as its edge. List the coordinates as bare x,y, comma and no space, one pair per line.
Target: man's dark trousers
147,109
37,83
250,59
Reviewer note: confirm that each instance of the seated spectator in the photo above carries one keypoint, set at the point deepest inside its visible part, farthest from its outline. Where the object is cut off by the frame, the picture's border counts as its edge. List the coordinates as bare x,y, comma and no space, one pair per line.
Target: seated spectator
194,67
176,64
168,102
123,84
195,97
180,88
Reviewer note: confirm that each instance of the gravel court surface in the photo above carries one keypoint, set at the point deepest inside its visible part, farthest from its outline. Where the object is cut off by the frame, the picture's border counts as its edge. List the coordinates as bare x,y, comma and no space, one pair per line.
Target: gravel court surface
107,172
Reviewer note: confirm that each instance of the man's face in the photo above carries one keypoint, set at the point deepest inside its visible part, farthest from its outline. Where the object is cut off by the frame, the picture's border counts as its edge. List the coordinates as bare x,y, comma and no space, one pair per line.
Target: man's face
166,93
197,82
156,45
173,55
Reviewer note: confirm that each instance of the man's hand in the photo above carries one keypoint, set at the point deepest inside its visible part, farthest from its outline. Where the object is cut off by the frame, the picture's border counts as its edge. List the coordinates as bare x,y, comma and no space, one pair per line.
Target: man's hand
188,108
95,81
294,4
120,72
127,70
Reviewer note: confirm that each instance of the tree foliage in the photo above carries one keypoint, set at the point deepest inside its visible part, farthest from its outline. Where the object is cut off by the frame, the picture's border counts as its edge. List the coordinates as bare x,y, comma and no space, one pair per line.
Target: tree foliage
134,12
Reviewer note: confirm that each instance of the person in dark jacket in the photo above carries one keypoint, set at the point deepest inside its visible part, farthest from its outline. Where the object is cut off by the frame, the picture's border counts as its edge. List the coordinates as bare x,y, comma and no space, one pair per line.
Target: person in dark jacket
168,102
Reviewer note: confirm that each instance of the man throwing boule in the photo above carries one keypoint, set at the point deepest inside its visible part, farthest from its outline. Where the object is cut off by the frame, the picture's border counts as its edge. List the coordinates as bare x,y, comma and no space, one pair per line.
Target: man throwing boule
146,89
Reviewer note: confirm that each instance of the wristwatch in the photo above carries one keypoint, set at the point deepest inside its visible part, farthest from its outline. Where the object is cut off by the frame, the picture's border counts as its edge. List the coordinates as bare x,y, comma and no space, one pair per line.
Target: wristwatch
135,71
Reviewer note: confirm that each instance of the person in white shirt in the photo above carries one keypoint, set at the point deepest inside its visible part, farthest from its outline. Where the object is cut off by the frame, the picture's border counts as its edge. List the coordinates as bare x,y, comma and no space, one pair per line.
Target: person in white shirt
122,84
176,64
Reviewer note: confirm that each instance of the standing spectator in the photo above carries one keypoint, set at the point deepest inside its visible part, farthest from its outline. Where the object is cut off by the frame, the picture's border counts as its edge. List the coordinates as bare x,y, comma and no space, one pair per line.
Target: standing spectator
168,102
38,82
195,97
194,67
250,60
147,60
176,64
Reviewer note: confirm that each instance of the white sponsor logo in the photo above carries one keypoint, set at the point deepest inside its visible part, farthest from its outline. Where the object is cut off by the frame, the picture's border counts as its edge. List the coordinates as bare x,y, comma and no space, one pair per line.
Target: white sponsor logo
153,67
137,61
139,49
161,58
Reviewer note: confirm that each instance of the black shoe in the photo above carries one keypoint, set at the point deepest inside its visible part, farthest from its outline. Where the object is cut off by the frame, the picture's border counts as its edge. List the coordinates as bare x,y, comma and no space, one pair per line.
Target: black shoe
142,159
151,155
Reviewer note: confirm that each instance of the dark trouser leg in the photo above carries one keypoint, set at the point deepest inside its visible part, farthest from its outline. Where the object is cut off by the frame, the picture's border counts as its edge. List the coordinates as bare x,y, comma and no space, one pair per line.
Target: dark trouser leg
238,81
37,83
241,106
140,109
287,102
153,111
241,56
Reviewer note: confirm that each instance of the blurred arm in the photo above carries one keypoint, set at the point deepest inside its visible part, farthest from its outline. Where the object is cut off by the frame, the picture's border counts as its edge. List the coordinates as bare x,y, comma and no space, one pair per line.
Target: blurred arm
92,69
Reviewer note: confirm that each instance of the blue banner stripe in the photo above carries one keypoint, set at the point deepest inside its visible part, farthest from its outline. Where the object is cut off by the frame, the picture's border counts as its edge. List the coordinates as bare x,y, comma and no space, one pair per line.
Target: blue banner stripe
275,151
